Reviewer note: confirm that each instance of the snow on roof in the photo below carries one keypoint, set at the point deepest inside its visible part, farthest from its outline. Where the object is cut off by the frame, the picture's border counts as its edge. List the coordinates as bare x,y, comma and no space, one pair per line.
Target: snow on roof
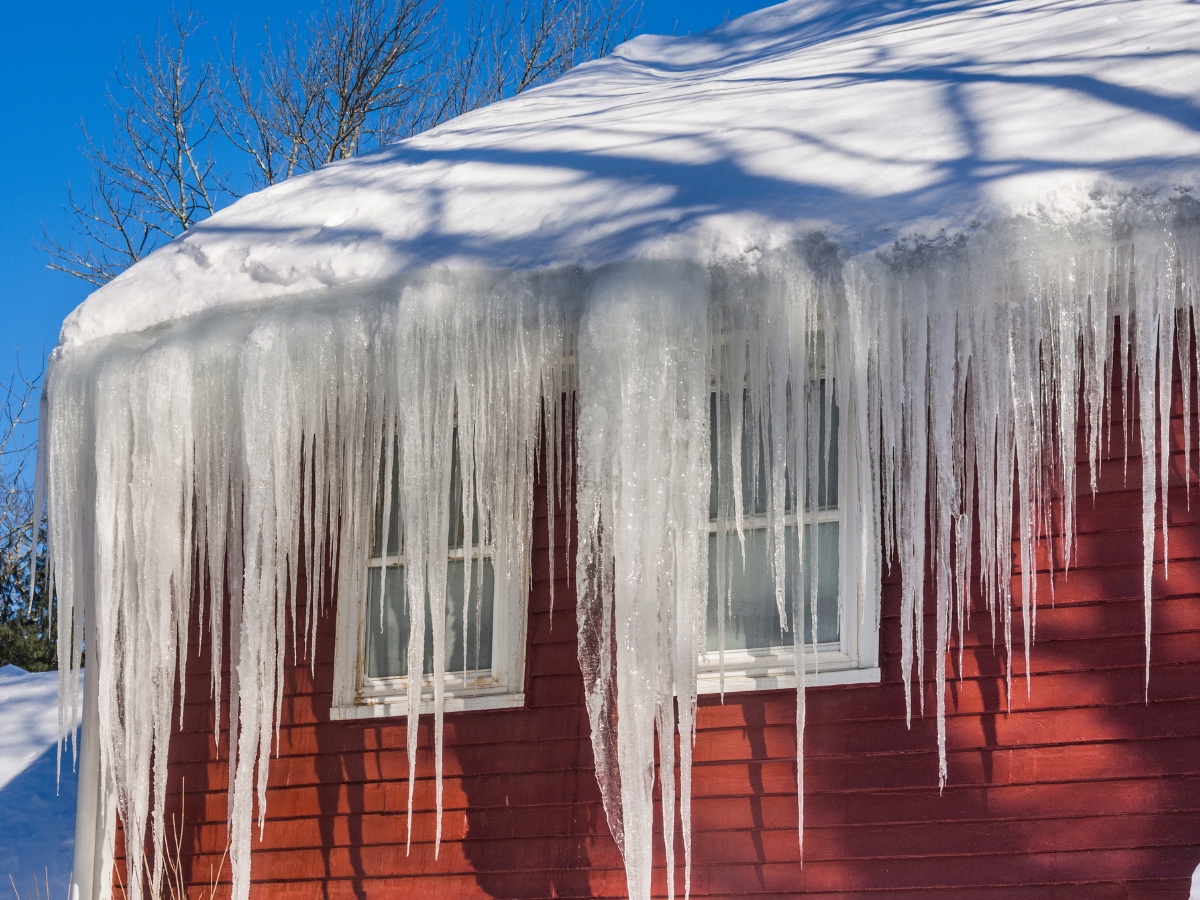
863,120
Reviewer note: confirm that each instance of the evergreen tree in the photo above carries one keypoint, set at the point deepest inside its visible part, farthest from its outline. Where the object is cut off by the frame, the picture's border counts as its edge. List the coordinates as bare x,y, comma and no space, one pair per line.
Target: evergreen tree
28,634
28,631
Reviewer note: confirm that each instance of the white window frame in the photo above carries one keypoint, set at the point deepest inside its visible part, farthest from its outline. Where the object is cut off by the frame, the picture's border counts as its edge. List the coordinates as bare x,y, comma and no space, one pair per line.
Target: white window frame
357,695
852,659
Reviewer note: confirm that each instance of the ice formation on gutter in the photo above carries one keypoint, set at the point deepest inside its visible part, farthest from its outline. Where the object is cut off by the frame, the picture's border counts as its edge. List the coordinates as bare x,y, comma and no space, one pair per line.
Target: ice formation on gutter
236,460
662,346
235,457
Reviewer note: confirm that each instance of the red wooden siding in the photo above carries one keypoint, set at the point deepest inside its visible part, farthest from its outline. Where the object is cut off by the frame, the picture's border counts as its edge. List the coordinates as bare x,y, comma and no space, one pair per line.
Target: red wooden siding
1082,790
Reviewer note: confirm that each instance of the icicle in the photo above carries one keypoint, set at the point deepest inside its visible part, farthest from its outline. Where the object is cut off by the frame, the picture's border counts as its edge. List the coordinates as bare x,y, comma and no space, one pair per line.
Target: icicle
643,487
1154,287
241,453
264,428
137,623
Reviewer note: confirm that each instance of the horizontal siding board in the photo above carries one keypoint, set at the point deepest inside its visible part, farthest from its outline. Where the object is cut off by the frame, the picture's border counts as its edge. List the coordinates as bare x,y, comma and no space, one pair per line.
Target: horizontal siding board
515,863
729,842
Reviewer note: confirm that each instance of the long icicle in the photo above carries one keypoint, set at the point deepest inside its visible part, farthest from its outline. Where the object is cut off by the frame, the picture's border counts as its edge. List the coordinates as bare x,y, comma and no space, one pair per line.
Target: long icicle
250,446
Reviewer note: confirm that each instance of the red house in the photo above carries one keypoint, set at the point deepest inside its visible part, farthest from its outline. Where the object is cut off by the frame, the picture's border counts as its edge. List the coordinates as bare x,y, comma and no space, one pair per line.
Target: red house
862,335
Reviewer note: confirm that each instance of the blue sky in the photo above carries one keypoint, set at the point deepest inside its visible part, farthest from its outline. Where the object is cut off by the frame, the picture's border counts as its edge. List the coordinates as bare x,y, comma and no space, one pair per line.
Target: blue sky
55,59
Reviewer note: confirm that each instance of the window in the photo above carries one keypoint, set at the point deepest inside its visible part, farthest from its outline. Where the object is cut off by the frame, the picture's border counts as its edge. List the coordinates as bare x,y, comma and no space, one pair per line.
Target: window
484,650
759,655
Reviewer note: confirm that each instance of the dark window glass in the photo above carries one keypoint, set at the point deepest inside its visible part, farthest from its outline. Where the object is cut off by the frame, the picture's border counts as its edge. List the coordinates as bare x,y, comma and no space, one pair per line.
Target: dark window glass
387,610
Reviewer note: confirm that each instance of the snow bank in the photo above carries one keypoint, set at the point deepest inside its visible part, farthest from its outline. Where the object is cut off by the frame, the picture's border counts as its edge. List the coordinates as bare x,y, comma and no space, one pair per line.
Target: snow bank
964,218
36,809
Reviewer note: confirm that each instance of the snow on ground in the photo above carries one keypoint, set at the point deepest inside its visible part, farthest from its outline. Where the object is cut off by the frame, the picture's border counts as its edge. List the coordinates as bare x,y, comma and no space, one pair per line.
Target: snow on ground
862,119
37,818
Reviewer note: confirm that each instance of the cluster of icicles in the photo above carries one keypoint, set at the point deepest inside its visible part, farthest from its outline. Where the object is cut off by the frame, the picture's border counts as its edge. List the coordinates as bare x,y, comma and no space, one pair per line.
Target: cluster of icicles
235,458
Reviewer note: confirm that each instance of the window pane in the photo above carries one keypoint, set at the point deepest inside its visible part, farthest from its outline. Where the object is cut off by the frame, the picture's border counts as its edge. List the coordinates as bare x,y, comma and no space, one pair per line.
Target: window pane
393,547
387,647
457,525
827,458
755,471
753,620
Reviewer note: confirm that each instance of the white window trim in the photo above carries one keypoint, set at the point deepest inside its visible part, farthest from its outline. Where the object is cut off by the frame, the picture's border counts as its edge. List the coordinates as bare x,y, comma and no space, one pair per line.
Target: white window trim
501,687
357,695
854,657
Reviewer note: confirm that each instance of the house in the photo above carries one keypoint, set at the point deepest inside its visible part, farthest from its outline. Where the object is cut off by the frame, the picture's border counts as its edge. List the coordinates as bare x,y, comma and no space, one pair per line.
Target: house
859,334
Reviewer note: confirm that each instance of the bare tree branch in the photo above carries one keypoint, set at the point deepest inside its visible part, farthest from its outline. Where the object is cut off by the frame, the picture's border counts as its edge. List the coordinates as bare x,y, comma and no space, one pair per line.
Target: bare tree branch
510,46
27,627
156,177
355,76
18,409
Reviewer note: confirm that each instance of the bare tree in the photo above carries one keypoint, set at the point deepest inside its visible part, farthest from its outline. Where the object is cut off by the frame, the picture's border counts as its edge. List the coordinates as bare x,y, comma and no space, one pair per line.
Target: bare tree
355,76
510,46
27,630
155,177
18,406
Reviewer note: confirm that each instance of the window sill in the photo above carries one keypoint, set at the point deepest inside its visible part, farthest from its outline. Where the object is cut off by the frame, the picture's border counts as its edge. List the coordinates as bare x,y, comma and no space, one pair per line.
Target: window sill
772,672
397,707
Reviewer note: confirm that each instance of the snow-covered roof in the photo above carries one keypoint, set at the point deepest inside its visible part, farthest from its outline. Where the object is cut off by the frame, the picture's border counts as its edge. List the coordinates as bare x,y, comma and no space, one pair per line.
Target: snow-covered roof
863,120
